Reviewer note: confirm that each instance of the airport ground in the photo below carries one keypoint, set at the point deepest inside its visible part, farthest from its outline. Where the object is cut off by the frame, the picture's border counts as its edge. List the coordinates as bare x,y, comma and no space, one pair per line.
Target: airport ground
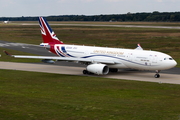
32,95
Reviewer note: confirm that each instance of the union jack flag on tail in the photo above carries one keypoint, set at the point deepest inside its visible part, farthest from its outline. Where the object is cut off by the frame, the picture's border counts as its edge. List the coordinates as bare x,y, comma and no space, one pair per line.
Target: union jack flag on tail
47,33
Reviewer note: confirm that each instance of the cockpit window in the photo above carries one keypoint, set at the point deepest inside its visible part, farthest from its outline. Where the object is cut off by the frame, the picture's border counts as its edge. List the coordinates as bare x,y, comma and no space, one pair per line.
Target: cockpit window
168,58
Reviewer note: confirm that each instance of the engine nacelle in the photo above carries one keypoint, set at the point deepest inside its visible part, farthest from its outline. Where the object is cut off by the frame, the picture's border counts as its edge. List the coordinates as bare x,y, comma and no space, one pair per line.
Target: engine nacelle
48,61
99,69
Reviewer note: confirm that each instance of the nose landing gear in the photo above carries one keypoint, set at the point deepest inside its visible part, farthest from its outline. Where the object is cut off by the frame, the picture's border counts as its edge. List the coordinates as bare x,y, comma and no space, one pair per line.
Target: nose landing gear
157,74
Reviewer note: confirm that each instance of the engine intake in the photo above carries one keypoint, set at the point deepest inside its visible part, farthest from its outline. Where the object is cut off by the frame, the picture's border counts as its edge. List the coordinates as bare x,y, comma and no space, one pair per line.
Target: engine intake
99,69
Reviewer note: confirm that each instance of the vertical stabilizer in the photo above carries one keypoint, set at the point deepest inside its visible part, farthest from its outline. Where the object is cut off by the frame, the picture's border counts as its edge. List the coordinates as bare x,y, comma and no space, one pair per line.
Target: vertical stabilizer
47,33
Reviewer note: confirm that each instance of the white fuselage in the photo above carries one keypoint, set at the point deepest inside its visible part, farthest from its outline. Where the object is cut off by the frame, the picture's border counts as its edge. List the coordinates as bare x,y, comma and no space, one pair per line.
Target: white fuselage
6,22
123,58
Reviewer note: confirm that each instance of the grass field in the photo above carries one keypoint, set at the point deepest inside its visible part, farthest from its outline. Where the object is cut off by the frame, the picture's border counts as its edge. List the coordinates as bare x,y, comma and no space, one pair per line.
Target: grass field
43,96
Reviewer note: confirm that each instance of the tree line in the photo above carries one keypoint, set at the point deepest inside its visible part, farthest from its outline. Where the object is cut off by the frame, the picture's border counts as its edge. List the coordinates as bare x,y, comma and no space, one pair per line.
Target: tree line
151,17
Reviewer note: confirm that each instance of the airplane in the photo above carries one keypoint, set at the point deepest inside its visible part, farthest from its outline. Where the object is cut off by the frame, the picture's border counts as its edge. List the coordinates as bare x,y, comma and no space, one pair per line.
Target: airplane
101,60
6,22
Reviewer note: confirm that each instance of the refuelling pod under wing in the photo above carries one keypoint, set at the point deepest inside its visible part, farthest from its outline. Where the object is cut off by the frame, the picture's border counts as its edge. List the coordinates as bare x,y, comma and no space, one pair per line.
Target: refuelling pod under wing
99,69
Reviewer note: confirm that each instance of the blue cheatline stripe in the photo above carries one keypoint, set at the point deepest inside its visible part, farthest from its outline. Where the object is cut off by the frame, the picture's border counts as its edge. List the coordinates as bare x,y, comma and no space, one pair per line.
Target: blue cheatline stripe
65,52
60,54
70,55
63,49
117,58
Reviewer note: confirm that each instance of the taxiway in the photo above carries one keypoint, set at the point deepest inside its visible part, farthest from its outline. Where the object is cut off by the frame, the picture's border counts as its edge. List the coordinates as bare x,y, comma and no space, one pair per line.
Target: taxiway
101,25
127,75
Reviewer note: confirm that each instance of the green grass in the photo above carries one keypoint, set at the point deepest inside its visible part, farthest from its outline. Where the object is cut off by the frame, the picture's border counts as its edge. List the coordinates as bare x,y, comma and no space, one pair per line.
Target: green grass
178,62
32,95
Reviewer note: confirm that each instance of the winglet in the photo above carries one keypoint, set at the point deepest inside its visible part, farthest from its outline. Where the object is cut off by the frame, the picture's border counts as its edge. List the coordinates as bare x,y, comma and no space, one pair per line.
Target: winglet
7,53
139,47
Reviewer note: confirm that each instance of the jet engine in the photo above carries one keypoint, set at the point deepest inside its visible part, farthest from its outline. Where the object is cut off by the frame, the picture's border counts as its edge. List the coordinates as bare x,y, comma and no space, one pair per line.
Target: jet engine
100,69
48,61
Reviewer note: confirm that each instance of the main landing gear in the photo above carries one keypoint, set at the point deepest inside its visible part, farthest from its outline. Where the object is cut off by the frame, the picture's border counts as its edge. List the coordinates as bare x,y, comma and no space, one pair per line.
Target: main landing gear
87,72
157,74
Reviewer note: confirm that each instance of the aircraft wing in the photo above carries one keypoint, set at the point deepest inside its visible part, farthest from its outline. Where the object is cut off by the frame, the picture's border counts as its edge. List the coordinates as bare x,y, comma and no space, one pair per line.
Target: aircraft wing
65,58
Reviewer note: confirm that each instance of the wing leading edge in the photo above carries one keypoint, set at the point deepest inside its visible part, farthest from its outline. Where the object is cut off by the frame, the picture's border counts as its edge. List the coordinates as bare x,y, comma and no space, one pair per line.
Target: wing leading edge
65,59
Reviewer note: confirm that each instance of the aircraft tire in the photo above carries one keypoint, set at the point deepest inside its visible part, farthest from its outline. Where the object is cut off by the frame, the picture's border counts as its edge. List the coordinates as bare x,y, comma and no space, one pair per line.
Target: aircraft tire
113,70
156,75
85,72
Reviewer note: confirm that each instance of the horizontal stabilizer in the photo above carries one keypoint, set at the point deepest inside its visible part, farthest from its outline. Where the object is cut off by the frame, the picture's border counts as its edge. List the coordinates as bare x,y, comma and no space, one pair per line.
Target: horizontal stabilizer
7,53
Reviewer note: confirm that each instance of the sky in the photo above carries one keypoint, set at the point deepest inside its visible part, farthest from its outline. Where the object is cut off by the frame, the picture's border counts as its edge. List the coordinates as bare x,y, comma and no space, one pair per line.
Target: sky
19,8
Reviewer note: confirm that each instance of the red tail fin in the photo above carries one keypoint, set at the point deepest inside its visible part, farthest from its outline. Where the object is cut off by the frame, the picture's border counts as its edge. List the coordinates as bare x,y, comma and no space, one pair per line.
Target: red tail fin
47,33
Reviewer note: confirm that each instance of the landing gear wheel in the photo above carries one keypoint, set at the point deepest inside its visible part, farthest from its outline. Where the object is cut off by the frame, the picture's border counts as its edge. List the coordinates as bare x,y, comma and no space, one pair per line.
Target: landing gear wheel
85,72
113,70
156,75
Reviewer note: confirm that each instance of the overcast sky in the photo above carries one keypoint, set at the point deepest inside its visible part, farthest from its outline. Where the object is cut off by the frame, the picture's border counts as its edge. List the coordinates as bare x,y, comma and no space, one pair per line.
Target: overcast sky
18,8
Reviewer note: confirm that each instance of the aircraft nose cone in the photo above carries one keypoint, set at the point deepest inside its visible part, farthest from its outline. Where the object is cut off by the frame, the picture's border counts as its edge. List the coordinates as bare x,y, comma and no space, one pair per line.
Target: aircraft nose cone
170,64
175,63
